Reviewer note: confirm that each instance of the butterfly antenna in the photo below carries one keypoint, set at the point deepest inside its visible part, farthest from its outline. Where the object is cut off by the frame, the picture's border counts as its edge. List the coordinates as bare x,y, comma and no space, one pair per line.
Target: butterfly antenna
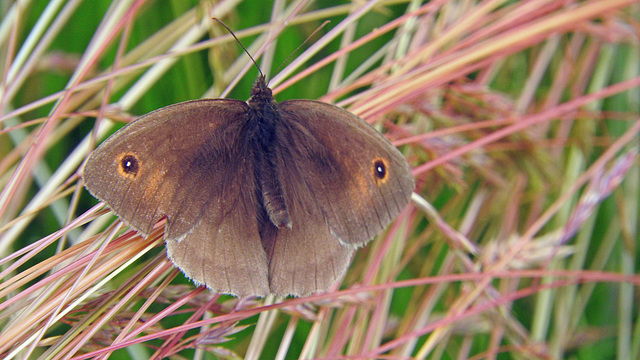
301,45
242,46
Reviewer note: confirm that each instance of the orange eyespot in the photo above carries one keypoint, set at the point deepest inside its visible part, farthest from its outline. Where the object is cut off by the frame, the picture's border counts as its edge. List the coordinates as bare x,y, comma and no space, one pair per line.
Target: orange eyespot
380,170
129,165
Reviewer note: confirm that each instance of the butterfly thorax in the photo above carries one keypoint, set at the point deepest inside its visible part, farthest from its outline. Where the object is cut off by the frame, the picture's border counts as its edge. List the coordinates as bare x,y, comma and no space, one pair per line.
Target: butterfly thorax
263,115
263,120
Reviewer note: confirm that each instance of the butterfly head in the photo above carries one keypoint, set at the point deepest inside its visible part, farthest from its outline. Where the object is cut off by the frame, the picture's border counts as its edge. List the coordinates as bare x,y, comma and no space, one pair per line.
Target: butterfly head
260,92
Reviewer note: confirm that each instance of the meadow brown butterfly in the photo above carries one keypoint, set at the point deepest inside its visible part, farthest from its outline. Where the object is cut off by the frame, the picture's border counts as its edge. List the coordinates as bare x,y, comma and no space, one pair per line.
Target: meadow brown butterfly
260,197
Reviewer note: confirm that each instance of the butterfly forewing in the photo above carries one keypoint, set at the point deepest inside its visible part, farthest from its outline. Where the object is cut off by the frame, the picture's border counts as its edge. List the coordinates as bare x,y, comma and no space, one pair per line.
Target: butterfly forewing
359,180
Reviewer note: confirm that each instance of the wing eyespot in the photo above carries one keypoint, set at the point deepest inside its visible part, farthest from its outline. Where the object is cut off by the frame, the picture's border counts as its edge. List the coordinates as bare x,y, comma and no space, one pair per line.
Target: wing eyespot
380,170
129,165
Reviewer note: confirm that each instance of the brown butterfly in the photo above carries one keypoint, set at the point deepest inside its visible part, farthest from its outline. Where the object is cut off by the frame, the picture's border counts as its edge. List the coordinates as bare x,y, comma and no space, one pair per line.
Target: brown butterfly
260,197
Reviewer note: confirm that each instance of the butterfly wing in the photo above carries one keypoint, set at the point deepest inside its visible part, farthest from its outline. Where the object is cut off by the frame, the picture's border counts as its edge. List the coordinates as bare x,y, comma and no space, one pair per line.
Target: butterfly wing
344,183
360,181
188,162
306,258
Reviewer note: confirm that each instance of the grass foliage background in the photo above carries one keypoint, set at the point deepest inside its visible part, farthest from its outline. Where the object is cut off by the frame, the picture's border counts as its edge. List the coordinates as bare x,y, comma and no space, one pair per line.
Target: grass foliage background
520,120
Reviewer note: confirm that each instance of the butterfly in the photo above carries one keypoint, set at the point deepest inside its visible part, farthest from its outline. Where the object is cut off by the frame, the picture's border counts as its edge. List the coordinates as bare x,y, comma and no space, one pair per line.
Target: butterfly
259,197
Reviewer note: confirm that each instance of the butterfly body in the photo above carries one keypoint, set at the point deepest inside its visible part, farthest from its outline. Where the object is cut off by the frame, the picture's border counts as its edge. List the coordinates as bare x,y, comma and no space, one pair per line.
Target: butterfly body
260,197
263,119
